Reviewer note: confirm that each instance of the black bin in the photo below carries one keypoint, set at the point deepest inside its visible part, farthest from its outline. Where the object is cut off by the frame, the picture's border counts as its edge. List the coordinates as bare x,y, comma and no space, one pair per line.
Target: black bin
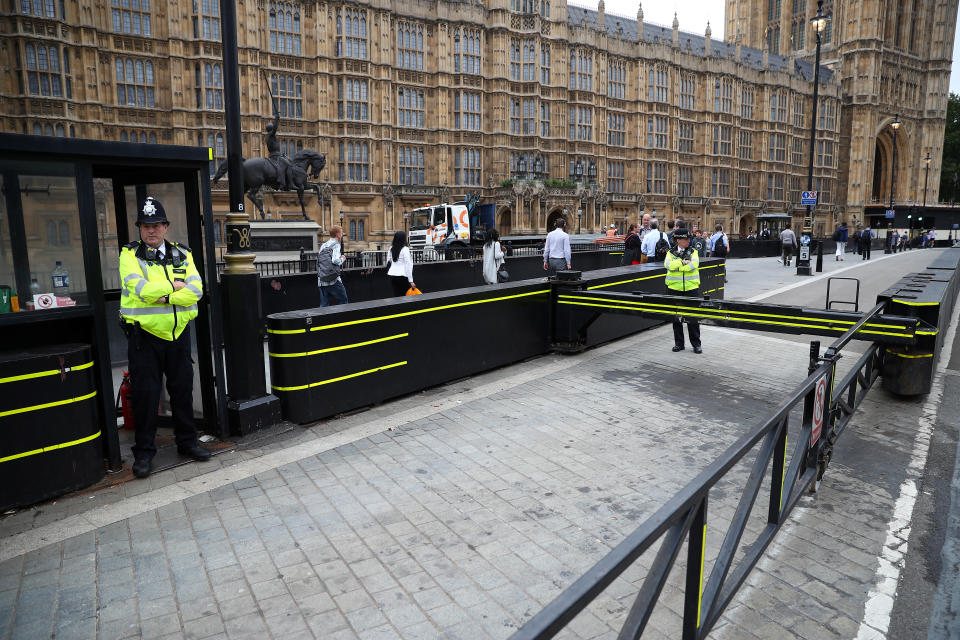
49,425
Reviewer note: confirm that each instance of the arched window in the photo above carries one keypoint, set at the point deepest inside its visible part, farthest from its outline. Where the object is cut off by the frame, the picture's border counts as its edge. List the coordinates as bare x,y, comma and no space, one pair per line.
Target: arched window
284,24
48,130
123,136
37,129
51,233
153,138
64,233
353,229
61,132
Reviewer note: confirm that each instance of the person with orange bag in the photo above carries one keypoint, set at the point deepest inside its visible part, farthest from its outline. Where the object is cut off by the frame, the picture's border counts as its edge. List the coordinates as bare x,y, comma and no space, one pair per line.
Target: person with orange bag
400,265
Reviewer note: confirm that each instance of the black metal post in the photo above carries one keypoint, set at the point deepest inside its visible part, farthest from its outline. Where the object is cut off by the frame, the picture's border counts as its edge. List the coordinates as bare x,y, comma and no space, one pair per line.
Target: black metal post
693,589
893,180
803,265
250,407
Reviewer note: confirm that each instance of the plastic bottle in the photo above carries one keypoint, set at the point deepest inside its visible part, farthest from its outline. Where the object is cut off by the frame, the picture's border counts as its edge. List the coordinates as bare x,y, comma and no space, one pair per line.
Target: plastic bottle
61,281
34,287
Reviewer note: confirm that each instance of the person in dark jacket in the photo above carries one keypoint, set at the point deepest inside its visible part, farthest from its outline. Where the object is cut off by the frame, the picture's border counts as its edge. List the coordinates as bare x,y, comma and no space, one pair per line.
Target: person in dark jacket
631,246
843,235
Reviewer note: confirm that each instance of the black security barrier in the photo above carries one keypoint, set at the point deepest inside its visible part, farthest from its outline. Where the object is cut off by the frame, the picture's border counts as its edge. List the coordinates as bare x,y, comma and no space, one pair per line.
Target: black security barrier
929,296
299,291
326,361
49,419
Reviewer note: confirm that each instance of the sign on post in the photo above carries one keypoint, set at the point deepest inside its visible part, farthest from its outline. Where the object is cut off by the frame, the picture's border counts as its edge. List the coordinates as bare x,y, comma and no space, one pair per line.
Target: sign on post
808,198
890,213
819,403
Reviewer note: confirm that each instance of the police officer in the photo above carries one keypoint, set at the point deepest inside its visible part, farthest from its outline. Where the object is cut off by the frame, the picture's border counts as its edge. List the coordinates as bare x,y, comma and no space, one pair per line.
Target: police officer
159,294
683,279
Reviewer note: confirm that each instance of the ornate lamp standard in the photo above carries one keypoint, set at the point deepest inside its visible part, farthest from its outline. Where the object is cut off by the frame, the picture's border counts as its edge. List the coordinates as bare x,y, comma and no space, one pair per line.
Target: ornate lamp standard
926,176
819,23
895,125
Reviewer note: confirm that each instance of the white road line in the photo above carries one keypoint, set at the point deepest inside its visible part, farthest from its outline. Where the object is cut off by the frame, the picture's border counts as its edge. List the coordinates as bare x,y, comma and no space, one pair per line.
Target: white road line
879,605
806,281
75,525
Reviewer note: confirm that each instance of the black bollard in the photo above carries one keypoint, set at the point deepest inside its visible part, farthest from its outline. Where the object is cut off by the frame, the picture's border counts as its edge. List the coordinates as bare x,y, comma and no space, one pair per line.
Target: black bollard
819,256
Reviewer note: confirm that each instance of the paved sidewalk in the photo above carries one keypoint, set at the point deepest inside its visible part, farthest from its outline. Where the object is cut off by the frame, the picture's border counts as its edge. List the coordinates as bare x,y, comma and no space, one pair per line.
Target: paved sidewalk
460,512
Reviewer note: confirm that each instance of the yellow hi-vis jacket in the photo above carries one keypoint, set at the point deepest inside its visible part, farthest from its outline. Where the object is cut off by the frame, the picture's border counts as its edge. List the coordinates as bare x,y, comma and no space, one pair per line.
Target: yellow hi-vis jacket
144,282
682,277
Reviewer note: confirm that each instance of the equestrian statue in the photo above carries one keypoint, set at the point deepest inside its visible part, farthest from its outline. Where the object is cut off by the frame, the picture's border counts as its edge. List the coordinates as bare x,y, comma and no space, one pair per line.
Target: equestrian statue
278,171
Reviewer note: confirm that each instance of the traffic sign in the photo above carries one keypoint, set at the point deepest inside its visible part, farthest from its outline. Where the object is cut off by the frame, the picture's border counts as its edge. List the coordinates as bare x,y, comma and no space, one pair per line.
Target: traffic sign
808,198
890,213
819,400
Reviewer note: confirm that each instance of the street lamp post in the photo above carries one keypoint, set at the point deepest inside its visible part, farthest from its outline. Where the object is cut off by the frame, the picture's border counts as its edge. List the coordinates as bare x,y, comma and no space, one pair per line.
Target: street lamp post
895,125
926,177
579,215
406,222
819,23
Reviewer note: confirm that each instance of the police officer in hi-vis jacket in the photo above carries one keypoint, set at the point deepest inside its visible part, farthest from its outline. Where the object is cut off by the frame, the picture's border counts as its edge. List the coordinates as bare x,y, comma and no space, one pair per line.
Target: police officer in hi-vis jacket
683,279
160,288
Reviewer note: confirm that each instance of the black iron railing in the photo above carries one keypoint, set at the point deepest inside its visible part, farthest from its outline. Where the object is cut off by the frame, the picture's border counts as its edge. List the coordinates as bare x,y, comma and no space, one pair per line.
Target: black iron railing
827,406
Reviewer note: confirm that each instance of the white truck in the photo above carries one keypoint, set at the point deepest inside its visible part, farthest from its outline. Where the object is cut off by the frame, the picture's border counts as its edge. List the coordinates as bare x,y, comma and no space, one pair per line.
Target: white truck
449,230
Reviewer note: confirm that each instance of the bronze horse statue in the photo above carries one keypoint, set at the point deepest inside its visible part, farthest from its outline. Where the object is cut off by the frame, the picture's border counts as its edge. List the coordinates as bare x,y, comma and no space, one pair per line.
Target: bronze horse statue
260,172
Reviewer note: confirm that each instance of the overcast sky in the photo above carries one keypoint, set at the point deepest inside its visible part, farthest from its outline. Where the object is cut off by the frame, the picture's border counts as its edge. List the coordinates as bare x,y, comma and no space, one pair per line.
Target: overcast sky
694,14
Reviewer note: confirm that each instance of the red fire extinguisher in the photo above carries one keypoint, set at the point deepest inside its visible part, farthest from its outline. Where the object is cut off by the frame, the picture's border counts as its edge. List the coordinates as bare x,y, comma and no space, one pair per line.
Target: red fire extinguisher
126,401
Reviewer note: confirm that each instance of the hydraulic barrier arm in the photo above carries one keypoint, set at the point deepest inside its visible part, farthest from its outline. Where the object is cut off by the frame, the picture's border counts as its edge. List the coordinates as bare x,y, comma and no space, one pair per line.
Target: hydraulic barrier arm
885,329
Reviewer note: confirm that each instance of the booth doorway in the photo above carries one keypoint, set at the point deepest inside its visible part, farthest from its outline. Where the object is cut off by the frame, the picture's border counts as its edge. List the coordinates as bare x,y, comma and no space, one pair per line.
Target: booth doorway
74,202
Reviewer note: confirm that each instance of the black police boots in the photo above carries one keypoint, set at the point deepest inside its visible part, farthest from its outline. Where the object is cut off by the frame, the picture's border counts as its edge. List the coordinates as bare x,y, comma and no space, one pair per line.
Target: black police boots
195,451
142,467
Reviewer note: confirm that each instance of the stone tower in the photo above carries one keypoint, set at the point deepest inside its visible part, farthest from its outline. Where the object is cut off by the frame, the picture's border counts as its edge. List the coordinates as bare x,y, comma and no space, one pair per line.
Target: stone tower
893,57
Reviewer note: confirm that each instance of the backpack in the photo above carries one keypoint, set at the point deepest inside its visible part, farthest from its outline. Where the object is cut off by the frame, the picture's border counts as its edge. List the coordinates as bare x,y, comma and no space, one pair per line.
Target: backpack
836,235
660,251
720,247
327,272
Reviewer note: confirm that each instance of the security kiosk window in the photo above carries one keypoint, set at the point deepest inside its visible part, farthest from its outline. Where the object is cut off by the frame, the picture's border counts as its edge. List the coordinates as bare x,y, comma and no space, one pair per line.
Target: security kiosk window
41,252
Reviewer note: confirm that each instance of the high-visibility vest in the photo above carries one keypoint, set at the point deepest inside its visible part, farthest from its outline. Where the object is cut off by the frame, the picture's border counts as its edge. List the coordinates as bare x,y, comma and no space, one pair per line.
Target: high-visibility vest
682,277
144,281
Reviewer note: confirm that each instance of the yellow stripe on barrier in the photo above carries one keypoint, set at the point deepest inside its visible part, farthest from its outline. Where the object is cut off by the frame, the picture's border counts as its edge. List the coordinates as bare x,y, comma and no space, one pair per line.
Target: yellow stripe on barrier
47,405
715,317
908,355
62,445
51,372
613,284
346,377
747,313
916,304
420,311
703,556
928,333
340,348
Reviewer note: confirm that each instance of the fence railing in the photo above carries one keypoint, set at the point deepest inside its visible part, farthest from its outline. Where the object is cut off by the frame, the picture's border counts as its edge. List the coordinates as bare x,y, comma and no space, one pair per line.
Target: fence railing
307,262
827,406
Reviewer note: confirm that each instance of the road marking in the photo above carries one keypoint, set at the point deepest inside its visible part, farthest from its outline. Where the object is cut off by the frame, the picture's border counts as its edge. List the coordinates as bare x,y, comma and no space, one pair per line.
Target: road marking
790,287
880,599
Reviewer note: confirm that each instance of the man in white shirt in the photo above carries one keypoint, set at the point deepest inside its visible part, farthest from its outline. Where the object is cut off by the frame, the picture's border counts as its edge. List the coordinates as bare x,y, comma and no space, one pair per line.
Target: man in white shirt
329,261
645,227
649,245
556,250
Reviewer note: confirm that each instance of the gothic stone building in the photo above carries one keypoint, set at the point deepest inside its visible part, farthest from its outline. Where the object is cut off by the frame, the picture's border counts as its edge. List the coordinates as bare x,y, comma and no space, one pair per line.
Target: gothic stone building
419,102
891,57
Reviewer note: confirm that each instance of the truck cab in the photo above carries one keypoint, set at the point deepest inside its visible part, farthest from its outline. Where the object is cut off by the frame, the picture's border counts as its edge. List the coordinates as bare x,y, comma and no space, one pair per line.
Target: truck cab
441,229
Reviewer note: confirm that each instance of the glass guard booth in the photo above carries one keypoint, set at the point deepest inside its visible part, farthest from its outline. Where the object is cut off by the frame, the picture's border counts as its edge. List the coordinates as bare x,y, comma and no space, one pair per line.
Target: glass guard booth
67,207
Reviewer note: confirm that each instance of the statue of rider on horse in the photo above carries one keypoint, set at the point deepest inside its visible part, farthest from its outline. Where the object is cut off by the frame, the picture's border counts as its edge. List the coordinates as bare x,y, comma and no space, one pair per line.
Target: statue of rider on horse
278,171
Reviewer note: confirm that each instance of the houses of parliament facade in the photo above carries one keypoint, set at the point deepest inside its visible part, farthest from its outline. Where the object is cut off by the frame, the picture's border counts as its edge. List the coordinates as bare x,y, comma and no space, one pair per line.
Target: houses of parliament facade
544,108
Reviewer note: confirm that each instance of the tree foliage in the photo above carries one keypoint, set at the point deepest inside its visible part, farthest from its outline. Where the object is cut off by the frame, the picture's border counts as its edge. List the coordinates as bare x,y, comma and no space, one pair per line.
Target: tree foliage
950,173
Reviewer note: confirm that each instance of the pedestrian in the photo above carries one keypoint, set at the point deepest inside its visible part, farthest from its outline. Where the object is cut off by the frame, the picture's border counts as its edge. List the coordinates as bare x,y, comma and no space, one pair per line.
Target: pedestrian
904,240
493,257
556,250
894,241
509,248
330,261
856,239
631,246
788,242
671,225
719,243
400,265
612,231
933,238
765,232
655,242
841,235
683,279
700,242
160,291
644,226
866,236
751,235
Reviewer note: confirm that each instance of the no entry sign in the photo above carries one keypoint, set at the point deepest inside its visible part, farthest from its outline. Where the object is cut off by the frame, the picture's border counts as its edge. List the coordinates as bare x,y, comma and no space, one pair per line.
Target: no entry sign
819,400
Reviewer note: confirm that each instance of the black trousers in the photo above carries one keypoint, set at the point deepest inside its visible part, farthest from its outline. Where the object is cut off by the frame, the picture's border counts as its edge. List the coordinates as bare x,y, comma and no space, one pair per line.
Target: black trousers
865,250
150,360
400,285
693,325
